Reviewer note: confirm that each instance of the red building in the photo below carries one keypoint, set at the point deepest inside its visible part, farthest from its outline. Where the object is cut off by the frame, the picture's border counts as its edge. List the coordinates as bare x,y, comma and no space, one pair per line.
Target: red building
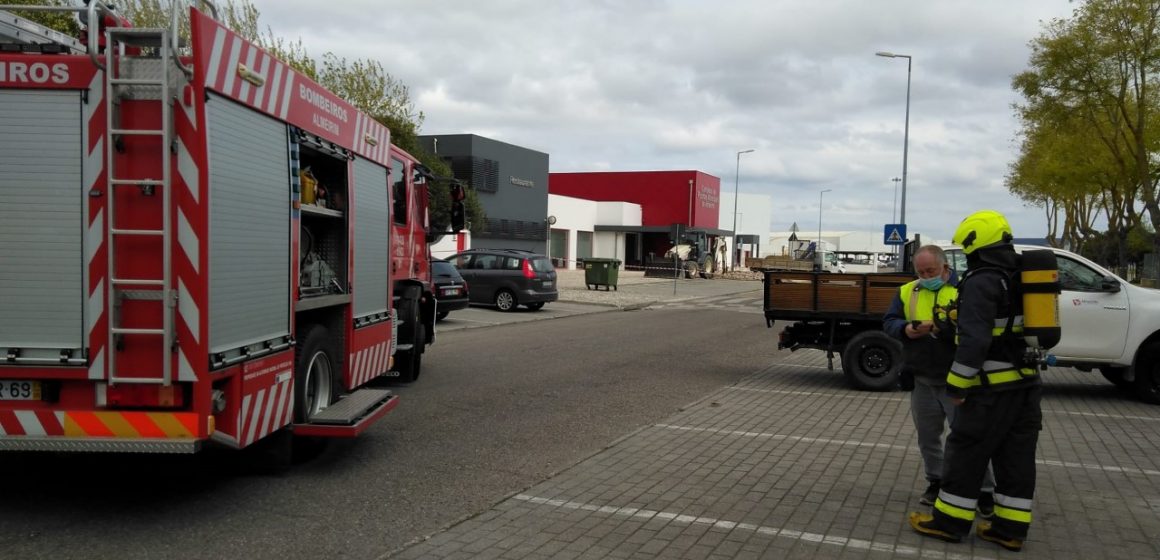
689,198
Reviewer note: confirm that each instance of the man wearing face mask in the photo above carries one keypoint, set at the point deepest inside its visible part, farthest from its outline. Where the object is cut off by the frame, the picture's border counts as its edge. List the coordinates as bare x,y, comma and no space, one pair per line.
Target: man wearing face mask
928,352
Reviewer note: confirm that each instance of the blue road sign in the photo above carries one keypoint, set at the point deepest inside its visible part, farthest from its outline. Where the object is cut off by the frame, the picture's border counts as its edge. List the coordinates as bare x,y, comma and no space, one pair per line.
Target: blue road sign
894,234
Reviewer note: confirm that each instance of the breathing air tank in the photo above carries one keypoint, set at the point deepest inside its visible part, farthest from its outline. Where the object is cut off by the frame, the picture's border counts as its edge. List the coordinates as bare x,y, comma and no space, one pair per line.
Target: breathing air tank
1039,275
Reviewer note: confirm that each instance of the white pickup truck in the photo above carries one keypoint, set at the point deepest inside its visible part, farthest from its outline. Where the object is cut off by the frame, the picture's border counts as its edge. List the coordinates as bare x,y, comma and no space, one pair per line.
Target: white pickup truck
1108,324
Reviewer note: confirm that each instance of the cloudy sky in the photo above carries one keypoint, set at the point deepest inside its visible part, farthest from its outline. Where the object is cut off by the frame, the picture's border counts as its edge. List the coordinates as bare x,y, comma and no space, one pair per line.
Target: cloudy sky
686,84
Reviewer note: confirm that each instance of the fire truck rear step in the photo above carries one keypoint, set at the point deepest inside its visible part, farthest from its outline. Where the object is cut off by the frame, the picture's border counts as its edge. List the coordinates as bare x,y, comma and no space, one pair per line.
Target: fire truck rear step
351,415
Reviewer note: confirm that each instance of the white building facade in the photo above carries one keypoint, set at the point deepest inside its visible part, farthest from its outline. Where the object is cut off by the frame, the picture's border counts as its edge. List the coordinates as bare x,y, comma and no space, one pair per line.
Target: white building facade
575,236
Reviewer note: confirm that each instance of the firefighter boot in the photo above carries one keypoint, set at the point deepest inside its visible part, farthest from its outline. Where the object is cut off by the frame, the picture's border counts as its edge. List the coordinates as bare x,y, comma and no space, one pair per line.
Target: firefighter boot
985,531
926,525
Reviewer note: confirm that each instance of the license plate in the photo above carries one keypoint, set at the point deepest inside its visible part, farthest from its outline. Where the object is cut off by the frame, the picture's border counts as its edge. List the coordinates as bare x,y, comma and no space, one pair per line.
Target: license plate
547,284
19,390
450,291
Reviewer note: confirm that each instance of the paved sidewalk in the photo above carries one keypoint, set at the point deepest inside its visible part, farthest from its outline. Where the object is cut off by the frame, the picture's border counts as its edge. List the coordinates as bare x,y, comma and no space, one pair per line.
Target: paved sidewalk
790,463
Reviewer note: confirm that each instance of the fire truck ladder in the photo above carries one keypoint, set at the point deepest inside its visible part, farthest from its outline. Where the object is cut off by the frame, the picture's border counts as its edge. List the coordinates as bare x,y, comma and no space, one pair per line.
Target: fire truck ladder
20,31
146,288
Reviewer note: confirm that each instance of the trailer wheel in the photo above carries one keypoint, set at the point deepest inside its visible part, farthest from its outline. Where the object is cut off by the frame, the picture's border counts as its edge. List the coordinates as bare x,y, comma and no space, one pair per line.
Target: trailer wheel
1148,373
409,363
314,375
872,361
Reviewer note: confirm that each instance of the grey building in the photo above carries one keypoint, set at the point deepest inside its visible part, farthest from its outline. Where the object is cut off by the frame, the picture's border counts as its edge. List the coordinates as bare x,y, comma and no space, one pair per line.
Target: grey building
512,184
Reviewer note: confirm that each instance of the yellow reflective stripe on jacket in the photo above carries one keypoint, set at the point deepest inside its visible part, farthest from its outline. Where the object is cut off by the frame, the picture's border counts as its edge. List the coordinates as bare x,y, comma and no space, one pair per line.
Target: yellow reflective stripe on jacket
918,303
1012,514
954,511
1000,330
993,378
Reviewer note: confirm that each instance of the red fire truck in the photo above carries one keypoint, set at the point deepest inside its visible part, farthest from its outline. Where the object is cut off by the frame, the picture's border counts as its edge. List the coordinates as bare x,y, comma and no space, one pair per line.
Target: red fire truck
197,243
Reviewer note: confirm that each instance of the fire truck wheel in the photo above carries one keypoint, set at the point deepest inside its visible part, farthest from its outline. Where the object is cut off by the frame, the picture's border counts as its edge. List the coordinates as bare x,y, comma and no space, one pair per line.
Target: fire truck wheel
1148,373
872,361
314,386
409,363
505,300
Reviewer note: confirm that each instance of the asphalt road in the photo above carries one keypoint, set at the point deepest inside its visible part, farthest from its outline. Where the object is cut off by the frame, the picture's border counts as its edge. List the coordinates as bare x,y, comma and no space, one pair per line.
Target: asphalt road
497,410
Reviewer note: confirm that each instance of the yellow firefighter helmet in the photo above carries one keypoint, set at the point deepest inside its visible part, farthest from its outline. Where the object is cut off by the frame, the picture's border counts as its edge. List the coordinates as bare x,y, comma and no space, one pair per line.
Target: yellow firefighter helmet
982,229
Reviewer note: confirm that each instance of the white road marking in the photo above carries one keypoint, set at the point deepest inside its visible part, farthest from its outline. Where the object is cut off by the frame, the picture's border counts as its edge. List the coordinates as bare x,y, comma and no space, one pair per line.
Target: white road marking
779,532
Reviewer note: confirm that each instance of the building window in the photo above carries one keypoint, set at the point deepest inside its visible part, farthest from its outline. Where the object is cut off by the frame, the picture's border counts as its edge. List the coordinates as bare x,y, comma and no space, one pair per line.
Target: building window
559,248
482,174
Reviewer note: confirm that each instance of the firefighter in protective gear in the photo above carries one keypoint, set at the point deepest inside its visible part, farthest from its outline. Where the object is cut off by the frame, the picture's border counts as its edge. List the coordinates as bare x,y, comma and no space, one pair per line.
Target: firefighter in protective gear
918,317
997,393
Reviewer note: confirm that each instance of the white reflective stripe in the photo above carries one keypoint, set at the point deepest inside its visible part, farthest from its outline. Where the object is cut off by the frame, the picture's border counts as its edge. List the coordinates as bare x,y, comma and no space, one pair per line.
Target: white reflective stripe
1002,322
1017,503
957,501
994,365
964,370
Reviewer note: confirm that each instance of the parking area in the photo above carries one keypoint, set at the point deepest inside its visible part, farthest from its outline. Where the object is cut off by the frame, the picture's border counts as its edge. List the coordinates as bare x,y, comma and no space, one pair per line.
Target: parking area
791,463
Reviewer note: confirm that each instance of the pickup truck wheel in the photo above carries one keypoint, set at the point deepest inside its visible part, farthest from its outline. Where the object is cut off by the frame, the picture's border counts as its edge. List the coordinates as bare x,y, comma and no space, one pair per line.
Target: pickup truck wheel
872,360
1148,373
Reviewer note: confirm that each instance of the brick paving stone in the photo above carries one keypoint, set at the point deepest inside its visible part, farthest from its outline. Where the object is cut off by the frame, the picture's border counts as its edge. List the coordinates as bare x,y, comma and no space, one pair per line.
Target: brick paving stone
789,463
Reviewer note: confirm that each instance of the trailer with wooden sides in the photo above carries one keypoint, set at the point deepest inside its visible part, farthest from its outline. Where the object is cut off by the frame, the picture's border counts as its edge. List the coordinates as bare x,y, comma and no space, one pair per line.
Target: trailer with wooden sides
838,313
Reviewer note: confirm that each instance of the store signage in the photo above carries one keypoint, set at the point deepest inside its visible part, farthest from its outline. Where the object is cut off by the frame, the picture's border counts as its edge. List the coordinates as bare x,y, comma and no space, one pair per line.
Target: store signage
523,182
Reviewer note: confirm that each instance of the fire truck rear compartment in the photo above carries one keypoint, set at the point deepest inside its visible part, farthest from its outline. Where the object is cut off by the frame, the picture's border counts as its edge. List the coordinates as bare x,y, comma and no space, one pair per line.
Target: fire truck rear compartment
42,258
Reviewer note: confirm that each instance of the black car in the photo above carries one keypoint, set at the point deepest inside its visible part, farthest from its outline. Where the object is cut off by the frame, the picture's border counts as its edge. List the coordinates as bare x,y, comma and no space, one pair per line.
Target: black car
450,288
508,278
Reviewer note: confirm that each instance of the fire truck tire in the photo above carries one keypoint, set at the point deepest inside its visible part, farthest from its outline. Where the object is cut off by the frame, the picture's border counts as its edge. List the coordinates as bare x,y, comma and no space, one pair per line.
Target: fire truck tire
505,300
872,361
409,363
315,387
1148,373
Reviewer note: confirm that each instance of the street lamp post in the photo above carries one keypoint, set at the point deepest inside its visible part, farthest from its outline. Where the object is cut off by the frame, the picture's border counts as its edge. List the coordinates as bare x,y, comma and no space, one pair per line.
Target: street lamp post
905,133
894,206
893,217
736,188
818,245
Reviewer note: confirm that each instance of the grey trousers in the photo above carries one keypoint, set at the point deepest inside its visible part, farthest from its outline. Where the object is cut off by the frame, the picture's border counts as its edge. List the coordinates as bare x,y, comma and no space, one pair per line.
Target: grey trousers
932,411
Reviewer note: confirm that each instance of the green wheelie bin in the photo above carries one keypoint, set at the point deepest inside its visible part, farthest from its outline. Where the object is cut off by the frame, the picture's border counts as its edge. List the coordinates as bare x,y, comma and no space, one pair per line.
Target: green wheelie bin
601,272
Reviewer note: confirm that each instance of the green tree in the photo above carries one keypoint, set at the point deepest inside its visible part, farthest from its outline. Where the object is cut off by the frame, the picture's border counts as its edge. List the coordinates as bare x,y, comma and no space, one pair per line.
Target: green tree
363,83
64,22
1097,70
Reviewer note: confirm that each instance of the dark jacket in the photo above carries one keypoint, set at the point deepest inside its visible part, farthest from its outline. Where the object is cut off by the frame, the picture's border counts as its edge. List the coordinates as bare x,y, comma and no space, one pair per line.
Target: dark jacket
988,298
928,358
